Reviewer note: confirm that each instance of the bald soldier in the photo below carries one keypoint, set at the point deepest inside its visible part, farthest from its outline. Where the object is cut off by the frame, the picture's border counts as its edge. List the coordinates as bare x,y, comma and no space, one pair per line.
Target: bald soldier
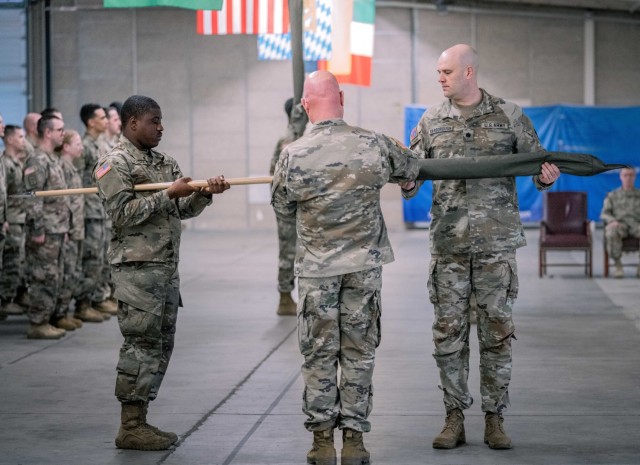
329,181
144,254
474,233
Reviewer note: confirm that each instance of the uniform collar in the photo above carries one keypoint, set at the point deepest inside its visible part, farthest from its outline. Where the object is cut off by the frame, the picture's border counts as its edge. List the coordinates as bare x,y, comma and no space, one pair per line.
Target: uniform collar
485,106
141,155
329,122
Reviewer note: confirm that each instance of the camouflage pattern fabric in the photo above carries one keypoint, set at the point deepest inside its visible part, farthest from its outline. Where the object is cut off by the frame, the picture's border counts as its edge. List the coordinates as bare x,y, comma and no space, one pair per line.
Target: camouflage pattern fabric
286,233
3,210
330,179
13,257
93,208
475,215
45,265
623,206
144,255
92,260
147,319
72,265
50,216
339,320
474,232
494,281
146,224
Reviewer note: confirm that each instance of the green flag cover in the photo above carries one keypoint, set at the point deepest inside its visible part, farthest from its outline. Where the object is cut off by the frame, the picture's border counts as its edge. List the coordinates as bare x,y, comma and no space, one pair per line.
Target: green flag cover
519,164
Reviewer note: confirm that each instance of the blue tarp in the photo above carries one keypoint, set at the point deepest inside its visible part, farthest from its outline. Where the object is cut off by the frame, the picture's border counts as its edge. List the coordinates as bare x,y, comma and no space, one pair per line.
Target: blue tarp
611,134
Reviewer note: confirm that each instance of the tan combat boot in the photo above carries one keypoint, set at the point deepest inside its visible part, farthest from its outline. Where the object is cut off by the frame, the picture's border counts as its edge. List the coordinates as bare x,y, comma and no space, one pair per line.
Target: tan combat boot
286,306
452,435
106,306
494,434
65,323
618,272
12,308
353,451
135,434
158,431
322,451
84,312
44,331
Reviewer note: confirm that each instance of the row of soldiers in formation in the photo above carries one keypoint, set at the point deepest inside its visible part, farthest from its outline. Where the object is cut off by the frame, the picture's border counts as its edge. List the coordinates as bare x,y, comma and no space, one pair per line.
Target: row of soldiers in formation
53,264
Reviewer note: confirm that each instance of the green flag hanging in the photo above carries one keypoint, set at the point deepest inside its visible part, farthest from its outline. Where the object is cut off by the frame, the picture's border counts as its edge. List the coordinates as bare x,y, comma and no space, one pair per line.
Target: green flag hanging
190,4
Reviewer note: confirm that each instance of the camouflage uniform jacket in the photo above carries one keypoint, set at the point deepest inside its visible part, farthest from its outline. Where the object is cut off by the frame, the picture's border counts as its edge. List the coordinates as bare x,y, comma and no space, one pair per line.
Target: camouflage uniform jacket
46,215
623,206
330,181
475,215
146,224
74,180
281,144
3,197
16,206
93,208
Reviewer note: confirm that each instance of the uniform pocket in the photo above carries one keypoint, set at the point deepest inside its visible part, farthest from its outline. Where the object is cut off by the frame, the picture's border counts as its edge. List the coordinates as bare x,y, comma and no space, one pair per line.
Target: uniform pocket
374,333
514,284
431,282
305,338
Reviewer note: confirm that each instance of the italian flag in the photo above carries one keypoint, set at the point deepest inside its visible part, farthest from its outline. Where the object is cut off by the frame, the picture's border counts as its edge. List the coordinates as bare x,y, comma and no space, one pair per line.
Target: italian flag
189,4
352,41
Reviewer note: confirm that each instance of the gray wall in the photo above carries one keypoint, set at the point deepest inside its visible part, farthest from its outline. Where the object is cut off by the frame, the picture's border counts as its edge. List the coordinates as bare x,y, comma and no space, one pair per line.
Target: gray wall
223,108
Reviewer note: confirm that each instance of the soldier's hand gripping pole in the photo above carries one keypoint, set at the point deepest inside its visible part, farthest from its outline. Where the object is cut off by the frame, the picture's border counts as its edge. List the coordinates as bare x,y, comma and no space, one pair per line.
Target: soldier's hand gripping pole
145,187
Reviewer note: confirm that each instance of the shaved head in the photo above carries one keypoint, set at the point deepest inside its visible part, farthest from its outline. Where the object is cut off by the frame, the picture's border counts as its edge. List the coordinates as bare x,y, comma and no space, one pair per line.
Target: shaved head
322,98
457,74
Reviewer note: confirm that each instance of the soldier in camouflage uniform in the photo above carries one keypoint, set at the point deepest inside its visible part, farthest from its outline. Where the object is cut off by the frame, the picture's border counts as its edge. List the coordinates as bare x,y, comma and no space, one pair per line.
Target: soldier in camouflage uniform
621,215
330,181
91,304
71,149
47,226
286,234
13,260
144,254
474,233
30,125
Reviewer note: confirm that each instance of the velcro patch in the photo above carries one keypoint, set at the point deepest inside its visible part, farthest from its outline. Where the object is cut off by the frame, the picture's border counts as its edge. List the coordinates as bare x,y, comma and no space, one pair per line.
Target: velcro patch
104,169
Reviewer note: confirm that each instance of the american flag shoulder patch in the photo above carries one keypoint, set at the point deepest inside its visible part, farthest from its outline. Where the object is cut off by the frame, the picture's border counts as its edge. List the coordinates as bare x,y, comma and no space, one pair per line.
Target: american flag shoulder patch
29,170
104,169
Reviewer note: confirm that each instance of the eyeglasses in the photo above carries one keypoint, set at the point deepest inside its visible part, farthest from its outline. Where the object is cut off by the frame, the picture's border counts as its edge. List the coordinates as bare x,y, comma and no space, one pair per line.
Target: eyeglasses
59,129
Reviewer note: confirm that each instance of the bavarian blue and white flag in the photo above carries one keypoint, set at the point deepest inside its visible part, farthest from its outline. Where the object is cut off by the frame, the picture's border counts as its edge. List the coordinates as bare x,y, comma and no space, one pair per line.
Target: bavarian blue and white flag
316,35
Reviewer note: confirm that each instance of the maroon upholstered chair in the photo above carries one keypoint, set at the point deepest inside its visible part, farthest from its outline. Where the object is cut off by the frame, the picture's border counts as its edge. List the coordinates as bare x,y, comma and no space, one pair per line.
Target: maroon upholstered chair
565,228
629,244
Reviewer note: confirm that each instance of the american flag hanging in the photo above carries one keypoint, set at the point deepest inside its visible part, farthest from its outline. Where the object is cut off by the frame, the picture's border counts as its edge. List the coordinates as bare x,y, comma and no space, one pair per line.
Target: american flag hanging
245,17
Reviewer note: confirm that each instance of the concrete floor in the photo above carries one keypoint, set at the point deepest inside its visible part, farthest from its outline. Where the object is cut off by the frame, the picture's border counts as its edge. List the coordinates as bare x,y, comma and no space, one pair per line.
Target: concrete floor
233,390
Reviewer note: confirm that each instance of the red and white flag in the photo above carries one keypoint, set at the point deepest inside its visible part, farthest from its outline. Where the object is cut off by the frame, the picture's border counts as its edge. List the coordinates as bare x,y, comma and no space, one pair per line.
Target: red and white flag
245,17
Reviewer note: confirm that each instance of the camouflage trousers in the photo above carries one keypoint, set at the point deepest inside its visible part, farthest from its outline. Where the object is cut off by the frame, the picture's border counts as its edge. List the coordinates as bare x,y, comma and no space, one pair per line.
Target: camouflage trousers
107,285
45,264
148,296
339,325
92,261
287,238
614,236
13,262
493,279
72,272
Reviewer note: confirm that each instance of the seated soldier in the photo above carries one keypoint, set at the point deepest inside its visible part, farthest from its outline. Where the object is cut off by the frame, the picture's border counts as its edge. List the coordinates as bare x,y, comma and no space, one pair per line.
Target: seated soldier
621,215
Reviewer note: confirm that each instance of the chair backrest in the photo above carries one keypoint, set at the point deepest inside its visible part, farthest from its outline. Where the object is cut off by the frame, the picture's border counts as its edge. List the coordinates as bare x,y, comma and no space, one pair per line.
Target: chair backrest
565,212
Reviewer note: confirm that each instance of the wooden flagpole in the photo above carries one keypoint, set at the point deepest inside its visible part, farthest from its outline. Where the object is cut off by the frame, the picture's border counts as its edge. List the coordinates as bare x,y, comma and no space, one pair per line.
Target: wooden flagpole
150,187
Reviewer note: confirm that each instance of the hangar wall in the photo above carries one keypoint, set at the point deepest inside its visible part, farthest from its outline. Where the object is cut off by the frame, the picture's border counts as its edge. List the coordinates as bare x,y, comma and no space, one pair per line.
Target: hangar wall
223,108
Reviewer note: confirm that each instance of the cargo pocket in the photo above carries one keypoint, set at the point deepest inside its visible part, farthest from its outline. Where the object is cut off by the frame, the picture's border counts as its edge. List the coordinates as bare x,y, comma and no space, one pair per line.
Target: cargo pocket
128,369
374,332
431,282
305,338
514,283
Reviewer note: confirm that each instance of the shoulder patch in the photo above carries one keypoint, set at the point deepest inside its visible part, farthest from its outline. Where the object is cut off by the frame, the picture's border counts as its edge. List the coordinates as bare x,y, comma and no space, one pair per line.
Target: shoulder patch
29,170
104,169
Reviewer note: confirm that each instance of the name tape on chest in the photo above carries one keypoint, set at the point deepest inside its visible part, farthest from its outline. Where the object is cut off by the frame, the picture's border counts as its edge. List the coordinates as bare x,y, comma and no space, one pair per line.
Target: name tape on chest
494,125
440,129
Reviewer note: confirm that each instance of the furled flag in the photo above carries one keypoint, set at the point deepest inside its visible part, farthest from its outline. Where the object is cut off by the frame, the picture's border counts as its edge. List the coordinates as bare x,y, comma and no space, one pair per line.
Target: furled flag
316,33
189,4
245,17
355,67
